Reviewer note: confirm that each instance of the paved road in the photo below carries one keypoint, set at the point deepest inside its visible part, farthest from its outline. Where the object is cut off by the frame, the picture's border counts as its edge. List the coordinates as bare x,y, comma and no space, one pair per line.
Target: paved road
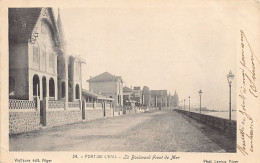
157,131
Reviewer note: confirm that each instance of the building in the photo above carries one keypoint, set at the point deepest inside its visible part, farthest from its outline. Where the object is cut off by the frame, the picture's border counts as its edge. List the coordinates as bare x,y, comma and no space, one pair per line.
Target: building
128,97
159,98
172,101
175,100
38,62
108,85
91,97
146,97
137,96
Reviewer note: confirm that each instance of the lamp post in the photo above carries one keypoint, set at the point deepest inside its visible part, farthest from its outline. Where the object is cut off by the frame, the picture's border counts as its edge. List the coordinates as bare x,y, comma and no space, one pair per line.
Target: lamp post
230,78
184,105
200,92
189,103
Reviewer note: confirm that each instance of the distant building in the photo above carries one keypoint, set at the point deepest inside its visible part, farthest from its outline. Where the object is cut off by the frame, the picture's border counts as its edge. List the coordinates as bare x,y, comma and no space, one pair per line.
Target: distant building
108,85
146,96
92,97
137,96
128,97
172,101
38,62
159,98
175,100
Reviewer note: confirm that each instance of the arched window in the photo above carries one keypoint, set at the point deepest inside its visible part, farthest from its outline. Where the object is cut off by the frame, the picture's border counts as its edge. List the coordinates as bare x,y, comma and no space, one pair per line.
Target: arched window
44,87
36,84
11,86
63,89
77,91
51,88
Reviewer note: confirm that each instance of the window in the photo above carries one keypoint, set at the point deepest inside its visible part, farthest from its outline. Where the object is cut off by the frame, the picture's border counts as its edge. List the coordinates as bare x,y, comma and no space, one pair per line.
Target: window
44,88
77,91
35,55
50,60
63,89
36,85
51,88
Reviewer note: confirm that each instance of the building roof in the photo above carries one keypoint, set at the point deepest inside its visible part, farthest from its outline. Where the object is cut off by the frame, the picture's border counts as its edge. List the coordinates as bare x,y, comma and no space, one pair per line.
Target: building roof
95,95
22,22
105,77
137,88
127,89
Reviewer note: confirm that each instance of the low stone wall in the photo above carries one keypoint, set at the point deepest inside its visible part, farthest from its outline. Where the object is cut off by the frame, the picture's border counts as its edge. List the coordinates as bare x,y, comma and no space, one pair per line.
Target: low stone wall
109,113
24,116
229,127
62,117
27,115
23,121
92,114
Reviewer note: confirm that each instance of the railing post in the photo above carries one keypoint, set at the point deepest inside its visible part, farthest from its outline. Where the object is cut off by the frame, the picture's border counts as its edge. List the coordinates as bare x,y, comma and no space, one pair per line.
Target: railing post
43,112
104,107
83,109
37,104
113,110
80,104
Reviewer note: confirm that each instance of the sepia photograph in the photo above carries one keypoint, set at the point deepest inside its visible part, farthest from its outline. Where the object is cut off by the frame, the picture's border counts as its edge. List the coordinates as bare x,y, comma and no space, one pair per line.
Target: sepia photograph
150,82
68,92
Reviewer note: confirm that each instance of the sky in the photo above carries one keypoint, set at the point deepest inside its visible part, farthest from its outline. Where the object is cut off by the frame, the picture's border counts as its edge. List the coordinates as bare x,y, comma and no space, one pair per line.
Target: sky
182,48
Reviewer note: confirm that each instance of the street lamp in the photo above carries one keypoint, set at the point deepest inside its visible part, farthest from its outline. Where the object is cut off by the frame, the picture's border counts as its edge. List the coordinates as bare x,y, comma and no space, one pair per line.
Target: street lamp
189,103
200,92
230,78
184,105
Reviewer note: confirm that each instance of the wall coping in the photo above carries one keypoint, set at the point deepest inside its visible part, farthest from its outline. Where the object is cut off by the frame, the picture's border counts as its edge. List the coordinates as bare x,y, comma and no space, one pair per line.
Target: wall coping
23,110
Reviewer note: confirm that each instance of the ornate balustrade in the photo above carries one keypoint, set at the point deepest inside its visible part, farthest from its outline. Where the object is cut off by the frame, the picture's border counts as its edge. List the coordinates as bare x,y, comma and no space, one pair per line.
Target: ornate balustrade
22,104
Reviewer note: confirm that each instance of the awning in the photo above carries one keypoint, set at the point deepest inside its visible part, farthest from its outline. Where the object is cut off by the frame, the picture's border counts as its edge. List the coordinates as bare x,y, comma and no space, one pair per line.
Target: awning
95,95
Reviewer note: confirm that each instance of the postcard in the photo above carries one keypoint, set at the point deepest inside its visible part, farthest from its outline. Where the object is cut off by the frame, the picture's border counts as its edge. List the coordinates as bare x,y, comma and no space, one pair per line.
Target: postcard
130,81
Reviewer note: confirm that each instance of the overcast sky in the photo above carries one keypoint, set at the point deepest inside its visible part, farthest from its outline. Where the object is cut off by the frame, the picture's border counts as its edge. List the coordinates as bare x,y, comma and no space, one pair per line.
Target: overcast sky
182,48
